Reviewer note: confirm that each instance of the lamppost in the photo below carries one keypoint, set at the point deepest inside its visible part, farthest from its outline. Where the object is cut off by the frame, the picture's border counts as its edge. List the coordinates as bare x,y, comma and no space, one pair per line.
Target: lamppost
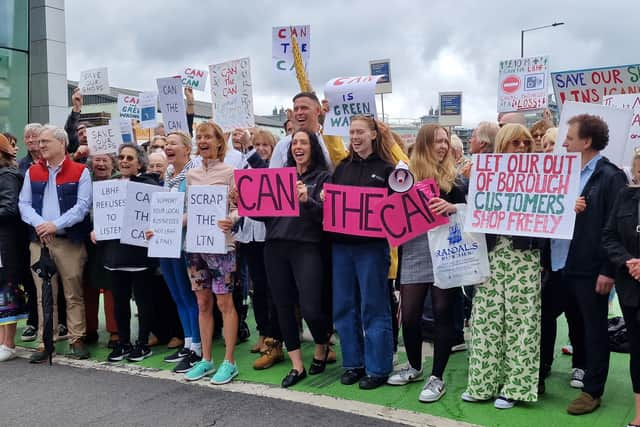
555,24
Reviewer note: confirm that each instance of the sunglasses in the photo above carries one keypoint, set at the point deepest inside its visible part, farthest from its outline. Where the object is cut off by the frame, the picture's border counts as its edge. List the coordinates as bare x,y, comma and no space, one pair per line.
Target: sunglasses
128,157
518,142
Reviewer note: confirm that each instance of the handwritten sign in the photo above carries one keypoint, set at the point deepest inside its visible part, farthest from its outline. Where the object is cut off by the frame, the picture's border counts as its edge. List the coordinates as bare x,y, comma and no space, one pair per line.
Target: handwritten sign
404,216
207,204
352,210
166,223
148,105
94,82
104,139
618,120
194,78
282,51
231,94
129,106
267,192
592,85
109,200
136,213
172,104
631,102
522,84
348,96
523,194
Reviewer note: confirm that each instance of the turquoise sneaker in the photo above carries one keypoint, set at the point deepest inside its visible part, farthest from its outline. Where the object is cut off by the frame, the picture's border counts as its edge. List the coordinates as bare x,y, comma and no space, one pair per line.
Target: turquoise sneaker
199,370
225,373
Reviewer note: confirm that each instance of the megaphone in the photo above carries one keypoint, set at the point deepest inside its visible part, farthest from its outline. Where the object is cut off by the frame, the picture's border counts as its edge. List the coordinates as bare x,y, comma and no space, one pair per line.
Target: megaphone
401,179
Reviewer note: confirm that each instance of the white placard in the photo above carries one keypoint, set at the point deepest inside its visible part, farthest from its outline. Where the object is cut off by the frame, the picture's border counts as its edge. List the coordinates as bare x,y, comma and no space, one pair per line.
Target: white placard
632,102
126,131
523,194
207,204
174,113
523,84
348,97
104,139
231,94
94,82
136,213
618,120
194,78
166,222
109,200
282,50
128,107
148,105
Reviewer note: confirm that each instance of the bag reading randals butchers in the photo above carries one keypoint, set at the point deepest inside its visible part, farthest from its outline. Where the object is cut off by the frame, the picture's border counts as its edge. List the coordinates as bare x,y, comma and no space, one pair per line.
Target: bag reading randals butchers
459,258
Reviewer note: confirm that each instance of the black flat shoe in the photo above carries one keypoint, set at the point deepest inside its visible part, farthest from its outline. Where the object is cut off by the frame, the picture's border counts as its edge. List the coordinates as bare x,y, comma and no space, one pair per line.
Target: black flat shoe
369,383
318,366
293,378
352,376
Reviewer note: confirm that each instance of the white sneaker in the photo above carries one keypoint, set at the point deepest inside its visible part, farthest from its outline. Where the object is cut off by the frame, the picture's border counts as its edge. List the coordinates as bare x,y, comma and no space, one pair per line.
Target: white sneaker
405,376
7,353
433,390
504,403
459,347
468,398
577,375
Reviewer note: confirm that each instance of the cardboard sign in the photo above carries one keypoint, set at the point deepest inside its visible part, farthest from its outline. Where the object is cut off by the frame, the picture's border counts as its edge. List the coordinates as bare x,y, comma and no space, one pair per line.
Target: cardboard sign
630,102
166,223
592,85
281,50
148,105
617,119
194,78
109,200
136,213
522,84
231,94
404,216
348,97
523,194
94,82
352,210
171,103
207,204
104,139
267,192
129,107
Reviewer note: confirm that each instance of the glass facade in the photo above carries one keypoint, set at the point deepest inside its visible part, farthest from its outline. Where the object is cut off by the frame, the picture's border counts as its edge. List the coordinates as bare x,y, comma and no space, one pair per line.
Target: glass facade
14,67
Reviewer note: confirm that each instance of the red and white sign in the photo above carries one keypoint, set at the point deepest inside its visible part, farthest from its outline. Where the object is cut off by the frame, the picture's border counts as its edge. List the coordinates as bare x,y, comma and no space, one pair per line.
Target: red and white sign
522,84
511,84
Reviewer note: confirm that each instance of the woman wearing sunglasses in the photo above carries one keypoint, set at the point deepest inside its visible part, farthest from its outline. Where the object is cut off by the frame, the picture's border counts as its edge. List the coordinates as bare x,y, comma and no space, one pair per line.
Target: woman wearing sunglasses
132,270
504,356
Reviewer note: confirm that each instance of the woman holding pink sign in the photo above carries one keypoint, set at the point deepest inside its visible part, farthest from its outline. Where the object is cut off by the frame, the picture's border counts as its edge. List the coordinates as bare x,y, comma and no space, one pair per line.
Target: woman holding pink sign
431,157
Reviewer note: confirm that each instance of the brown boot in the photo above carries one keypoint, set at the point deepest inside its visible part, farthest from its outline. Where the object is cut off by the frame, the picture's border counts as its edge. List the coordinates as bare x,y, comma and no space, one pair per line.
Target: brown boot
259,346
584,404
272,355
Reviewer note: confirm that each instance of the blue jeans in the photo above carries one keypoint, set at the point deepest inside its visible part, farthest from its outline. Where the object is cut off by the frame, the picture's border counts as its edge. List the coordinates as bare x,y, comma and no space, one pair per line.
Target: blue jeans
174,271
361,306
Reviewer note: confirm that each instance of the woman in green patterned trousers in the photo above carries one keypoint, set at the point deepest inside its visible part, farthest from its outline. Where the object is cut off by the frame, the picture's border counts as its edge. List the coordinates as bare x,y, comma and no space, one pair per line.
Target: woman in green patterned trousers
504,357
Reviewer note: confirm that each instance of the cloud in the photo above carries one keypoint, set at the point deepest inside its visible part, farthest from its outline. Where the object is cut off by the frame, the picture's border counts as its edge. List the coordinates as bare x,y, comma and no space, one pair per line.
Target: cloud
434,46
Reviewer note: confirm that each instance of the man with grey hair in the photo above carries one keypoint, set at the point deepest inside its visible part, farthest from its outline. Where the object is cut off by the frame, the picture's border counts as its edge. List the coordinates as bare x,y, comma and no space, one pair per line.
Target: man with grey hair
31,133
54,203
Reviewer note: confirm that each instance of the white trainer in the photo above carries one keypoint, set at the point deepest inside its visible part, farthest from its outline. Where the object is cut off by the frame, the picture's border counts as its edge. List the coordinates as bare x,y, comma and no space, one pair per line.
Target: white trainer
433,390
577,377
405,376
7,353
504,403
468,398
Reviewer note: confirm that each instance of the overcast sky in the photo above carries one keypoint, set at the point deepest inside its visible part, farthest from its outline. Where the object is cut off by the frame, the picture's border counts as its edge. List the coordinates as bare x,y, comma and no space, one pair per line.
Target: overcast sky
434,46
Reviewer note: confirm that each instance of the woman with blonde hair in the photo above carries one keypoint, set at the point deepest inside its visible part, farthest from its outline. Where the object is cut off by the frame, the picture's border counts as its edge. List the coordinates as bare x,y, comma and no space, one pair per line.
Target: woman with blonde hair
432,157
549,140
504,357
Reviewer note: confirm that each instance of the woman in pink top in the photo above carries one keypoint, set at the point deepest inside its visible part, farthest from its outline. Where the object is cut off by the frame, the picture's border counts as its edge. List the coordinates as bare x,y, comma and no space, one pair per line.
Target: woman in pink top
211,273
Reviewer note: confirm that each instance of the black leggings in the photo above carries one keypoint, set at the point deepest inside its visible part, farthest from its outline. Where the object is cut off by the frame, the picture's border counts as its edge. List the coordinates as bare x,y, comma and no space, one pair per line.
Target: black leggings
632,321
296,274
140,282
412,299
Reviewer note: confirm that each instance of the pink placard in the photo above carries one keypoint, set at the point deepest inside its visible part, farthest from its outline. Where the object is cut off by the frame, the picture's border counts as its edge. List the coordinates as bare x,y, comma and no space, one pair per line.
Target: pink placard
353,210
267,192
404,216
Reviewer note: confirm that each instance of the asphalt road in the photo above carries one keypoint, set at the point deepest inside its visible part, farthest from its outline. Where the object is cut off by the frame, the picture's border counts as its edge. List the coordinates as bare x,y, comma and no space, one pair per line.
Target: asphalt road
40,395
